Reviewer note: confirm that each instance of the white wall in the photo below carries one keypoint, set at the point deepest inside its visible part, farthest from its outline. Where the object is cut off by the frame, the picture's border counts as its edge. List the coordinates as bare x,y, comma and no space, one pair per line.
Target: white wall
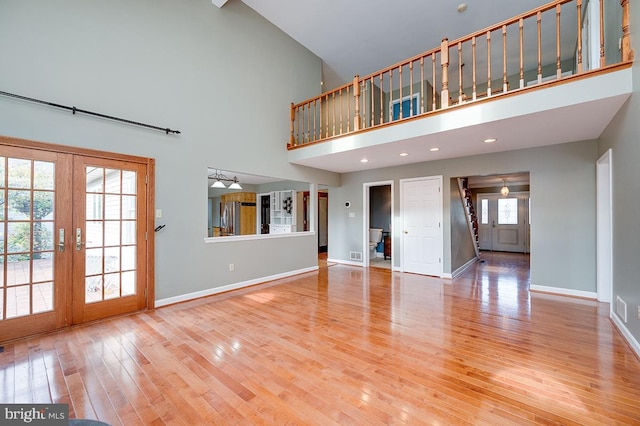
563,208
224,77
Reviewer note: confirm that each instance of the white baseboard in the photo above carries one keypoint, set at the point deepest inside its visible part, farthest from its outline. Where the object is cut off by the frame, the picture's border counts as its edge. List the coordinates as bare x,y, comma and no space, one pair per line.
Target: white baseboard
211,291
464,267
564,291
345,262
447,276
626,334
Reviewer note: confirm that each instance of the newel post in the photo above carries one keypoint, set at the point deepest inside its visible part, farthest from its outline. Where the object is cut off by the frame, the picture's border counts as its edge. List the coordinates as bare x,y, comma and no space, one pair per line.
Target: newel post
627,52
444,61
356,97
292,138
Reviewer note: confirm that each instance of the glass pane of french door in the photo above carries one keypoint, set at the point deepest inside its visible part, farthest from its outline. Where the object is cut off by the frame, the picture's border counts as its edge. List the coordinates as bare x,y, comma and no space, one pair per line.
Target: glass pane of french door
32,206
108,233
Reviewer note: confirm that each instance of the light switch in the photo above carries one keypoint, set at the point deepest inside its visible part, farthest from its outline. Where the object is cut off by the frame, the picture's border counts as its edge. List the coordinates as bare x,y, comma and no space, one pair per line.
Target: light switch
158,213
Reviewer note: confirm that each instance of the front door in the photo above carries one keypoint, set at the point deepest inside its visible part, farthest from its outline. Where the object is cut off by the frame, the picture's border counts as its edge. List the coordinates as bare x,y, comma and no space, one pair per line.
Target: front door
72,238
504,222
422,235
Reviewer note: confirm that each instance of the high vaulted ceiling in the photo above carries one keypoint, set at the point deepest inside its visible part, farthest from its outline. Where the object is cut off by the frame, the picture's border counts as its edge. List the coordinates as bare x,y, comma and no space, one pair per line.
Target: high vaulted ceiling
363,36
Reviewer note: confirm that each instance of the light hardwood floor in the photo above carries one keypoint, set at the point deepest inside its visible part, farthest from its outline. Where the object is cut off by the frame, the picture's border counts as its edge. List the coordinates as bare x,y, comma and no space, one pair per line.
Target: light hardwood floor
344,345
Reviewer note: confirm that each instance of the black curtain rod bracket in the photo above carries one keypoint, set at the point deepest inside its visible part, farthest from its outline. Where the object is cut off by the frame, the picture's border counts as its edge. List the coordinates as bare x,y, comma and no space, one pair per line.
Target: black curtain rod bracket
73,110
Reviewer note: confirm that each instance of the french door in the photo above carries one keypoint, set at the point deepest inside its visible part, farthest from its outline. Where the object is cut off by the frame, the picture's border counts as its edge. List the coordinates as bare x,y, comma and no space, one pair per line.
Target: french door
72,239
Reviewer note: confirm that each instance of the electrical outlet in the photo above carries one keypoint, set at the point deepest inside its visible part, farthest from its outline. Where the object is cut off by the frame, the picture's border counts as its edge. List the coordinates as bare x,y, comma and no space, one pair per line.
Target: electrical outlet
232,267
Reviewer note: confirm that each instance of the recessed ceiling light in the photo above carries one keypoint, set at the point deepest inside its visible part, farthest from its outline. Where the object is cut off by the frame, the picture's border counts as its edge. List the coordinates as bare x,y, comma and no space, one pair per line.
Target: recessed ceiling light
462,7
490,140
434,149
364,160
404,154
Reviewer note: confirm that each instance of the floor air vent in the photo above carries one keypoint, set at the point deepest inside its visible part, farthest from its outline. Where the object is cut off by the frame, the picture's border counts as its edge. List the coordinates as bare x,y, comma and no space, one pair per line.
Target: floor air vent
621,308
355,255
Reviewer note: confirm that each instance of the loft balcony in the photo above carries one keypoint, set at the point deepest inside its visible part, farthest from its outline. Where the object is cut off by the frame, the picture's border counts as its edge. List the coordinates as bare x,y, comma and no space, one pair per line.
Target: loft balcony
556,74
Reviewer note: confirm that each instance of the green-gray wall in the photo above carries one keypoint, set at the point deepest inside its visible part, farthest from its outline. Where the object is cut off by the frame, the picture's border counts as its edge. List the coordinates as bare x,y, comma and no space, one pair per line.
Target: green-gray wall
562,204
623,137
462,244
224,77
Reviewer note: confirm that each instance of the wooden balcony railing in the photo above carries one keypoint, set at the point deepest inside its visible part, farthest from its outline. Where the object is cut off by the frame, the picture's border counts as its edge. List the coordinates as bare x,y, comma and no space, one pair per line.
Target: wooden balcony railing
547,43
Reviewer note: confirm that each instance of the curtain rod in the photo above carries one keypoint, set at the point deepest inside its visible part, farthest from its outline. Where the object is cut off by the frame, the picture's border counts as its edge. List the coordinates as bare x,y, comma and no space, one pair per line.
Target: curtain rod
96,114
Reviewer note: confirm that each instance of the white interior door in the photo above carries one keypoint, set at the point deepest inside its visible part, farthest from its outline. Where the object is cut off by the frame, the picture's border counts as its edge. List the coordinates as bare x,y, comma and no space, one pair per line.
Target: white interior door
504,222
422,236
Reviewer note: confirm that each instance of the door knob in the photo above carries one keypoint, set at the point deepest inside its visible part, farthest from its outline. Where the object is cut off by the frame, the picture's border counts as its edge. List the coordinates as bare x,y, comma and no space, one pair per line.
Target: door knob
79,242
61,239
406,232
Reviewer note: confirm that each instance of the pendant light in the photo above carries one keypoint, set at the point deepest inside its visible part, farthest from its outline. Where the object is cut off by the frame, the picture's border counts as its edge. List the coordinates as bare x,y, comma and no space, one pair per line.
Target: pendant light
219,180
504,190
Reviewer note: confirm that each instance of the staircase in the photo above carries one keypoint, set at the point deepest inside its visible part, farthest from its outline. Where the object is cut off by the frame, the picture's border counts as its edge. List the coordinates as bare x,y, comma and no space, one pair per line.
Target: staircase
472,217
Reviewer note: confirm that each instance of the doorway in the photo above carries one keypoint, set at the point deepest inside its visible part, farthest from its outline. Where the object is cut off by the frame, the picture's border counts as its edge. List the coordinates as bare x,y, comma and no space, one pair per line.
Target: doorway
604,232
75,245
322,218
378,213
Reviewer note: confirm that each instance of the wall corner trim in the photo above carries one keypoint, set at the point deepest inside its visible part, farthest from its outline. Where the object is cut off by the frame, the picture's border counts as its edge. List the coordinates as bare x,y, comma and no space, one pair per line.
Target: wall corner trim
235,286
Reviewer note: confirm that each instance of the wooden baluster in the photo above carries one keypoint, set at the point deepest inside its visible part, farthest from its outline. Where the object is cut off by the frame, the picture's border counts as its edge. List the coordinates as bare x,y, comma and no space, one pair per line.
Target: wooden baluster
473,69
349,110
422,93
326,133
444,61
309,123
400,86
488,63
333,101
434,84
627,52
372,100
315,115
539,19
411,111
505,83
340,112
390,95
579,10
602,58
521,26
356,96
300,134
460,64
292,128
363,107
558,59
381,98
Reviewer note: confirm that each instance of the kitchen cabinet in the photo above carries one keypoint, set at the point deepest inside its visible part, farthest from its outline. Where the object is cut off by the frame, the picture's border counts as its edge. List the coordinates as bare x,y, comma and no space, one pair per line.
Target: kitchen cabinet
282,212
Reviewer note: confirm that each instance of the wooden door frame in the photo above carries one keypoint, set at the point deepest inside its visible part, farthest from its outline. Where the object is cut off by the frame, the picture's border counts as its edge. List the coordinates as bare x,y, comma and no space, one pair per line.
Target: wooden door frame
150,195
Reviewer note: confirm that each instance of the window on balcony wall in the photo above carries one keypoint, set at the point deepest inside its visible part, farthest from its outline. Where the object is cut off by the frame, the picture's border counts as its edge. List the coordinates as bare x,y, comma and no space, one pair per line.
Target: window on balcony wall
408,107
